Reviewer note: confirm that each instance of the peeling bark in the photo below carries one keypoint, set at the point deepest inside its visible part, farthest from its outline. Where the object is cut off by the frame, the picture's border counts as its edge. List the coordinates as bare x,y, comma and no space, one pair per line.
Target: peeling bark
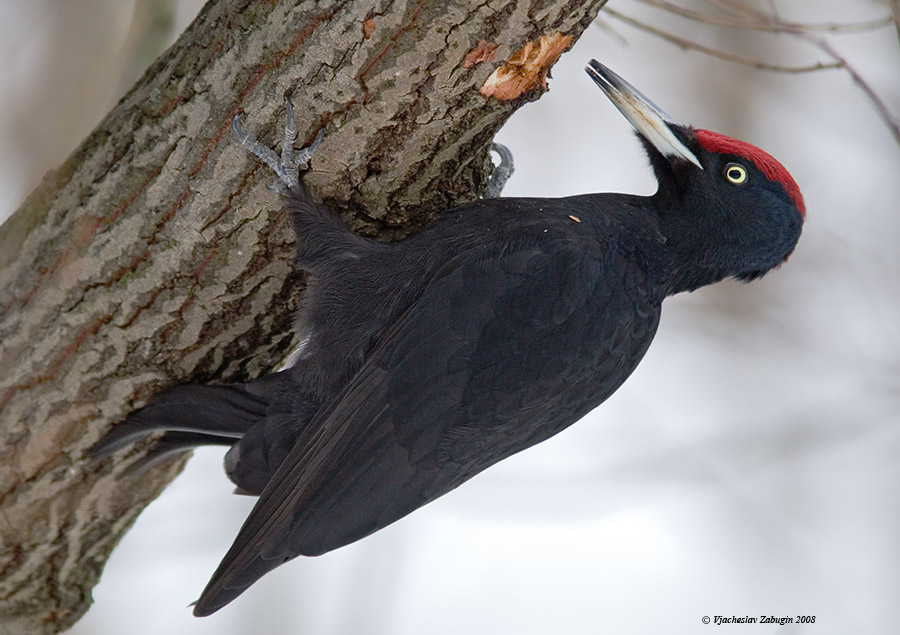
155,256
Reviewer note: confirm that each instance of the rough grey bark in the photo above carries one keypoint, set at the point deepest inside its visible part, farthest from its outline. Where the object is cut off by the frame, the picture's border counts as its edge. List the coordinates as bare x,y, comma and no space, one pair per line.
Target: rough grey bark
155,256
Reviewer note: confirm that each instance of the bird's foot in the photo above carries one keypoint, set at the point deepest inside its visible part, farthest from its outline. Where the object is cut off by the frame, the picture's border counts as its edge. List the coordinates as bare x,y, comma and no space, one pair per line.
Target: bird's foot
501,172
291,162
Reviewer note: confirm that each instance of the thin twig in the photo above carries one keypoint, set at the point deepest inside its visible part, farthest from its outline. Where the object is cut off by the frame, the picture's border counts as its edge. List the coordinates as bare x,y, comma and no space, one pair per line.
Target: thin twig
891,120
895,13
739,14
688,44
777,26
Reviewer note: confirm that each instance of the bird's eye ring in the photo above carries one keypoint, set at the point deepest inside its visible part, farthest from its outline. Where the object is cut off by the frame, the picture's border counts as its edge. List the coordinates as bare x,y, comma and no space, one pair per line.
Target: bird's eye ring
736,173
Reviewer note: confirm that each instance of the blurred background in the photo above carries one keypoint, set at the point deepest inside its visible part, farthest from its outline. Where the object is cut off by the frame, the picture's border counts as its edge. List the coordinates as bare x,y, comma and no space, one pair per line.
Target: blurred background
751,465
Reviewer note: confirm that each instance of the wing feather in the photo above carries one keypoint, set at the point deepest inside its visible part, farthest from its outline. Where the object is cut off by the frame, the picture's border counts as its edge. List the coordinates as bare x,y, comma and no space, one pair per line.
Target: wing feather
500,352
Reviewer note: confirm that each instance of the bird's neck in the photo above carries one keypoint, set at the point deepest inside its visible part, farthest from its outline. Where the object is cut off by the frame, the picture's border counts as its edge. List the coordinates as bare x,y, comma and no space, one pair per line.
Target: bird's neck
696,256
689,277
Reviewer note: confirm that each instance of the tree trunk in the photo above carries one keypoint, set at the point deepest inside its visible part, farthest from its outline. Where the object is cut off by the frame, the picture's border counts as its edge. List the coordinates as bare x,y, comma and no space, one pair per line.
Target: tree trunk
154,255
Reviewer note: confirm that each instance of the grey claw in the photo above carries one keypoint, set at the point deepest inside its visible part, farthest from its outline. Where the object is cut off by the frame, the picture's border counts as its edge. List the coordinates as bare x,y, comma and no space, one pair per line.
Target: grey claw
290,134
501,172
305,154
288,166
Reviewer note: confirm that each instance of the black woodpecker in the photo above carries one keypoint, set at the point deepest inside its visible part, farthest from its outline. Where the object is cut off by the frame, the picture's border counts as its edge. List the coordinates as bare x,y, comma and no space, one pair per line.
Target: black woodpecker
500,324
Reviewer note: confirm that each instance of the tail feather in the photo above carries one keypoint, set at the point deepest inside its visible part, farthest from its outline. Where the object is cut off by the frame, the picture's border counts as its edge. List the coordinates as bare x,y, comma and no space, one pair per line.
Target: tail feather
173,443
221,411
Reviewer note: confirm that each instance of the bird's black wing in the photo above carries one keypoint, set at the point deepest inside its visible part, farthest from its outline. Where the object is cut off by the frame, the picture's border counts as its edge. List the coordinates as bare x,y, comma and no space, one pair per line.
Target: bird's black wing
501,351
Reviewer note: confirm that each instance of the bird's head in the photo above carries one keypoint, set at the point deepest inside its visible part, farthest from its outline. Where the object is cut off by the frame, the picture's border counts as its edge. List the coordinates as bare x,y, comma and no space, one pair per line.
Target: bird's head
727,208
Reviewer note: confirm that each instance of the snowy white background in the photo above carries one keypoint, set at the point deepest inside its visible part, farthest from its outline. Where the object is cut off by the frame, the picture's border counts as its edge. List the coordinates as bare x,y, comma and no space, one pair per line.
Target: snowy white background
750,466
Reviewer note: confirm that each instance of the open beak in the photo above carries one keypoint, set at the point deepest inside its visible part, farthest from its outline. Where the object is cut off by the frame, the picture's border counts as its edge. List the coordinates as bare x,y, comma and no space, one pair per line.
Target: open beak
644,115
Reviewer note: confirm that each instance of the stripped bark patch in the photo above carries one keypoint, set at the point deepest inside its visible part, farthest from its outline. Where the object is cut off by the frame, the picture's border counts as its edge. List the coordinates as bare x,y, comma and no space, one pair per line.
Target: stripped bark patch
526,68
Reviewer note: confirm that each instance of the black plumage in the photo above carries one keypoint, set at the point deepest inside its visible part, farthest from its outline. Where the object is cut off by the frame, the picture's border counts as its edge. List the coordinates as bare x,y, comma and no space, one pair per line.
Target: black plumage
505,321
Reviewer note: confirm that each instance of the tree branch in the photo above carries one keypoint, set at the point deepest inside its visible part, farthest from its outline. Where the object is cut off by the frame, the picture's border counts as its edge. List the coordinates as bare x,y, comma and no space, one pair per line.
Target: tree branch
690,44
743,15
155,256
768,25
895,14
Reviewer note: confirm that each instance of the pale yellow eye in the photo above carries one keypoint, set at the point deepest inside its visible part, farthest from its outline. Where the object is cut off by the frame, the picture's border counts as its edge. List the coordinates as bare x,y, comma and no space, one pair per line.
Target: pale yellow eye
736,173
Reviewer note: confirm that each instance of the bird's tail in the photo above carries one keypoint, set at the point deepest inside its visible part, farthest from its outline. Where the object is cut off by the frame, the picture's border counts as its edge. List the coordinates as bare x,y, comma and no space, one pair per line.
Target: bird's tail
190,415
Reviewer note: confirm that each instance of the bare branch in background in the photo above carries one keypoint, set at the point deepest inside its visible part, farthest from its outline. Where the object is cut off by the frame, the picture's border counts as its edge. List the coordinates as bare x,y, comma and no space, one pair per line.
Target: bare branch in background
895,13
889,118
743,23
738,14
749,61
